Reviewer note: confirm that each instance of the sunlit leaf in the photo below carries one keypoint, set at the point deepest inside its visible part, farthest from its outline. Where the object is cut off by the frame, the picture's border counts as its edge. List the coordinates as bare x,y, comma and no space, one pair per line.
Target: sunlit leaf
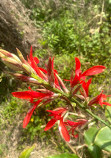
26,152
89,135
65,155
103,139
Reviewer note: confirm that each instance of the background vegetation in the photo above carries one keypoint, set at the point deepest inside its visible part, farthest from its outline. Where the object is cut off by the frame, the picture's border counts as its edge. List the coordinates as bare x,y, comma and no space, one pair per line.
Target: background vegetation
69,28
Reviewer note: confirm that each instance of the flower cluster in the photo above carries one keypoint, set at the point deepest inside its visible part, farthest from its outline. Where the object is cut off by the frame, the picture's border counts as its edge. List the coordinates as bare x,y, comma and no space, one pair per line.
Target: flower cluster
53,87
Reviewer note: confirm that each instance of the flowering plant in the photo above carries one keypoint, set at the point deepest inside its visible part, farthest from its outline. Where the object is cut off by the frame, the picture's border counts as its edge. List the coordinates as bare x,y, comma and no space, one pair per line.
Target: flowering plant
53,87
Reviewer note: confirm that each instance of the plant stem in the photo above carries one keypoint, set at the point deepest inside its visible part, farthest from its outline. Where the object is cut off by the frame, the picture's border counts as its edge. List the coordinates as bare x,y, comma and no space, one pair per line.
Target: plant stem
98,118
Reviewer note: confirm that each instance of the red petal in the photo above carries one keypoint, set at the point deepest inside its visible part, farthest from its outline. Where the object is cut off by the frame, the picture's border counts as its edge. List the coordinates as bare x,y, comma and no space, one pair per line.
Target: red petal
75,135
36,60
106,103
28,117
30,95
22,95
75,81
96,99
50,124
56,82
34,66
75,124
57,111
78,67
43,70
85,86
71,123
66,80
94,70
64,131
29,114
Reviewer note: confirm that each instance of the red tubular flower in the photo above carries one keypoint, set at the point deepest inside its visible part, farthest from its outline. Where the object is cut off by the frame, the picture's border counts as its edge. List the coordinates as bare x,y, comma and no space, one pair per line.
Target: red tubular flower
73,125
58,116
46,96
85,86
99,99
81,76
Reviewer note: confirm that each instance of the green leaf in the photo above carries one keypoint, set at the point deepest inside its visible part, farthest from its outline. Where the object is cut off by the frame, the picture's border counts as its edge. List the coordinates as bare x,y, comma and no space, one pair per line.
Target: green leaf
26,152
65,155
109,1
95,151
90,134
108,113
103,139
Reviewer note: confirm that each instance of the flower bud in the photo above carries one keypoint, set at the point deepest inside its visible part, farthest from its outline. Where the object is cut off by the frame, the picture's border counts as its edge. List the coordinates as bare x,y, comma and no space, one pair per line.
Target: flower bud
28,69
21,56
5,53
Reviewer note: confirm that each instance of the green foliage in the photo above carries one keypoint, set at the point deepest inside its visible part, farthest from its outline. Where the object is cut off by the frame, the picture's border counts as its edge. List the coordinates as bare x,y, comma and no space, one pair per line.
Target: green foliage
28,3
60,35
64,64
10,111
65,155
35,128
70,30
98,140
66,35
2,148
103,139
89,136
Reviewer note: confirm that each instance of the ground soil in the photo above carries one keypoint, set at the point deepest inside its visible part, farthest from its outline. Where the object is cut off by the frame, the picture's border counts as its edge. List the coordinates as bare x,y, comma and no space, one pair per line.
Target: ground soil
9,139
